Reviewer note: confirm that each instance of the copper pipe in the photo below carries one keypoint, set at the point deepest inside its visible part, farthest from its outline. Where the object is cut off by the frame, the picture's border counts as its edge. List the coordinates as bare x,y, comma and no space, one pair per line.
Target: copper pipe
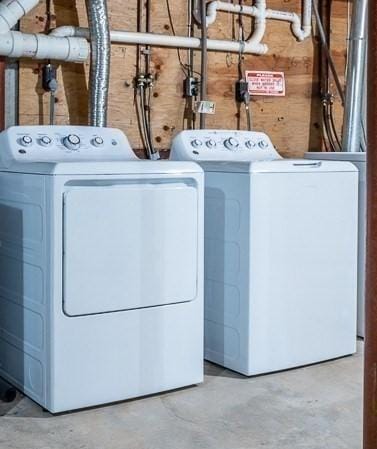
370,371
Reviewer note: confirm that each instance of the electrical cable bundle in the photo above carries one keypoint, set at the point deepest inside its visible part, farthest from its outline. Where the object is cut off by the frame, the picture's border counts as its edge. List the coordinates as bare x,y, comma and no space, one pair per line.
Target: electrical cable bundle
331,138
144,83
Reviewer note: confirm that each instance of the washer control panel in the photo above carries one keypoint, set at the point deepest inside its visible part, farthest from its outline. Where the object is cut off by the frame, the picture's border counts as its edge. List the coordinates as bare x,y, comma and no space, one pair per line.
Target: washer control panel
222,145
20,144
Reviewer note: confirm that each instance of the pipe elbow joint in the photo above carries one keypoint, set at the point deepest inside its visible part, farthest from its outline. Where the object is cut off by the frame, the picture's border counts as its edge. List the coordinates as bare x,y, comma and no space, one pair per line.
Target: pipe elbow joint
255,48
63,31
301,33
211,13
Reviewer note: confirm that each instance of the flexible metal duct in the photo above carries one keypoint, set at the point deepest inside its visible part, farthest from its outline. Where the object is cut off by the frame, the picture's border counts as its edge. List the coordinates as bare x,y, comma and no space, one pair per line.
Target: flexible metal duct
99,29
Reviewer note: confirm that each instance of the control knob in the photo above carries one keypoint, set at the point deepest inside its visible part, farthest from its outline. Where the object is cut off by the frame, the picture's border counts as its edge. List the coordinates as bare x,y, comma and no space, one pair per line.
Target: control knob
263,144
26,141
250,144
97,141
196,143
45,141
211,143
72,142
231,143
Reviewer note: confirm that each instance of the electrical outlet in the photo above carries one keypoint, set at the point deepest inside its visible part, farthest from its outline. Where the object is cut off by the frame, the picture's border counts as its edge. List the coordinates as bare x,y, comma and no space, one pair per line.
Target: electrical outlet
190,87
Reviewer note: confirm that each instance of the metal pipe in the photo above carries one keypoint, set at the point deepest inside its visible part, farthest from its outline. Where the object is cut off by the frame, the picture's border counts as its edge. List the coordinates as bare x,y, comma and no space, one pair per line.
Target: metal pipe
204,62
352,133
370,369
99,29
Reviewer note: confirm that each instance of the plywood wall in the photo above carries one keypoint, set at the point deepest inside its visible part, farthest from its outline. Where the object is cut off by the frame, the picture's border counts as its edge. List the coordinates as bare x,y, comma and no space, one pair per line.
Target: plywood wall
293,122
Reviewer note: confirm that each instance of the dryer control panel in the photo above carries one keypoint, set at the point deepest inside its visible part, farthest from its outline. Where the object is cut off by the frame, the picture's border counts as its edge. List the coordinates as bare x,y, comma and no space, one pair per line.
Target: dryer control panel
21,144
222,145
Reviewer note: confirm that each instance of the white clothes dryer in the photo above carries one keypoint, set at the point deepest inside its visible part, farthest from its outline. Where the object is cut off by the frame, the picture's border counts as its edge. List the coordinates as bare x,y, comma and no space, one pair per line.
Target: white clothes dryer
101,275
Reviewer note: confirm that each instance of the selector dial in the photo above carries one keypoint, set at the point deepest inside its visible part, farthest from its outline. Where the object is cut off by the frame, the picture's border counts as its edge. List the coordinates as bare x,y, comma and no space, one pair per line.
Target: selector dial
97,141
196,143
231,143
45,141
250,144
72,142
26,141
263,144
211,143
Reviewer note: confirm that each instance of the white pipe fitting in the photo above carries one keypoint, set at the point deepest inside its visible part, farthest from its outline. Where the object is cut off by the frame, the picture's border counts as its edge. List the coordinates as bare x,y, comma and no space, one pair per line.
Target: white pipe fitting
215,6
301,28
39,46
11,11
300,31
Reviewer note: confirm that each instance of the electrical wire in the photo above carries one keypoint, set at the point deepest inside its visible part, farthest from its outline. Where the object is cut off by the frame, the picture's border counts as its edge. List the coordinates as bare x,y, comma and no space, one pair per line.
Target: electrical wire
333,126
145,123
144,85
183,66
330,134
248,117
324,42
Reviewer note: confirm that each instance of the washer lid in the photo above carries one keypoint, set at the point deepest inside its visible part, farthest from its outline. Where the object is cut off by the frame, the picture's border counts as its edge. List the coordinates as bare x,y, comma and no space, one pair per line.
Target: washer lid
279,166
337,156
137,167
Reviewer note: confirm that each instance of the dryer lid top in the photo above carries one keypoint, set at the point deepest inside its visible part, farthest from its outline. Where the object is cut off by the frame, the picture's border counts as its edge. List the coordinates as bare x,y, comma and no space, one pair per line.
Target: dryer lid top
72,150
138,167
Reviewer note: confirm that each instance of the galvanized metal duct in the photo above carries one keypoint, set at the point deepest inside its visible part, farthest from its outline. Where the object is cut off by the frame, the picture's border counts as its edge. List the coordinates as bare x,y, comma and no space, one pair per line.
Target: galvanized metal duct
355,91
99,29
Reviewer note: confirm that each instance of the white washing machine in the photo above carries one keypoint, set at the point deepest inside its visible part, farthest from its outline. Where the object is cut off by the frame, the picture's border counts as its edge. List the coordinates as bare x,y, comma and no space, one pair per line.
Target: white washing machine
359,160
280,253
101,284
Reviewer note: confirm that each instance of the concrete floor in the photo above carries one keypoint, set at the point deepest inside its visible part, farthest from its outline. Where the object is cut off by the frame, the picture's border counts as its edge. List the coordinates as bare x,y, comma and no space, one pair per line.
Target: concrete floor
316,407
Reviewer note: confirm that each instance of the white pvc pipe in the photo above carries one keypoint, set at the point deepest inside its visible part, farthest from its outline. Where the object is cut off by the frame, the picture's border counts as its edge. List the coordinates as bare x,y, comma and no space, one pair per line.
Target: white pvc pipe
163,40
215,6
11,11
301,28
40,46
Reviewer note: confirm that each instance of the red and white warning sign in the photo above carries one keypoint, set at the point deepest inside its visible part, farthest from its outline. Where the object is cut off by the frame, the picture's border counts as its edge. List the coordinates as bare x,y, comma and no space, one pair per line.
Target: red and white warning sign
266,83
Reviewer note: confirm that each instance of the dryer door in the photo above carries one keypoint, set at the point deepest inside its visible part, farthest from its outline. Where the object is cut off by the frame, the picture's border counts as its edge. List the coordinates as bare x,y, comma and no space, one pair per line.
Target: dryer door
129,246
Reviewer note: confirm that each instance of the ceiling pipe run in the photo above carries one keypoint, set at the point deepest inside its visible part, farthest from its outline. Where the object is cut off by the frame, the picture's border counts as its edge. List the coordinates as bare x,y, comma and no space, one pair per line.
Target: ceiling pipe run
99,31
164,40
